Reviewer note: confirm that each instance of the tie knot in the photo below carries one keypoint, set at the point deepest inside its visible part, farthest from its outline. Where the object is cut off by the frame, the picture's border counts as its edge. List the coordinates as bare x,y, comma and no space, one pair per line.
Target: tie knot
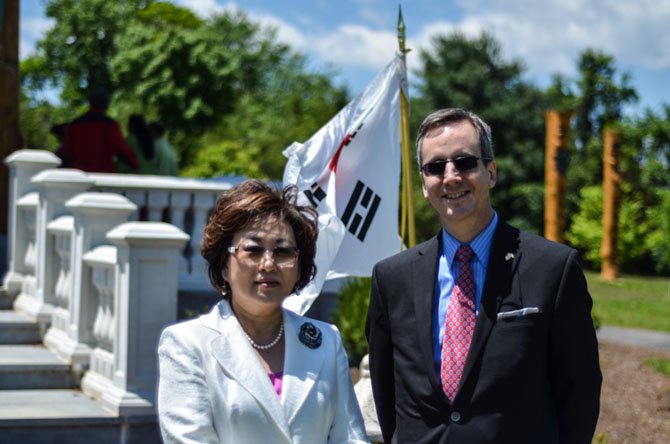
464,254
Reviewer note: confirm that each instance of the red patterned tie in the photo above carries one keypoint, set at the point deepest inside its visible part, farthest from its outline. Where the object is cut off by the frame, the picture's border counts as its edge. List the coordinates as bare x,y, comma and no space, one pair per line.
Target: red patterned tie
459,325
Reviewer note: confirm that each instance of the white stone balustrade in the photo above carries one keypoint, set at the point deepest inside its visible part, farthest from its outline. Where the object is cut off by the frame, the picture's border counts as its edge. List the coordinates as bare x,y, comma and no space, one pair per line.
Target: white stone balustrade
22,165
145,301
182,202
54,187
71,332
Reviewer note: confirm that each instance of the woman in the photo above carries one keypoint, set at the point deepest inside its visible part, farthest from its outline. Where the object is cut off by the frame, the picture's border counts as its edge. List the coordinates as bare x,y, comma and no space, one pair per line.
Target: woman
250,371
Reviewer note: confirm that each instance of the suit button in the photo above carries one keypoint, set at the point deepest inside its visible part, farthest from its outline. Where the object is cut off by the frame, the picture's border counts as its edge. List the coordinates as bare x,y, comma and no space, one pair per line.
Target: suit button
455,416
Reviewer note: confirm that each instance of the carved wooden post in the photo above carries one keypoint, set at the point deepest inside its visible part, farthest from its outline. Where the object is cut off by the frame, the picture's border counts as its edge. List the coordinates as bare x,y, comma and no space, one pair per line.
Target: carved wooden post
611,200
558,136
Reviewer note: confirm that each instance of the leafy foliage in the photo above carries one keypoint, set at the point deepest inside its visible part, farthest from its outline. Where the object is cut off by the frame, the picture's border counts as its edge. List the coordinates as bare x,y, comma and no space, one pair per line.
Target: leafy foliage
350,316
190,74
601,95
585,233
75,54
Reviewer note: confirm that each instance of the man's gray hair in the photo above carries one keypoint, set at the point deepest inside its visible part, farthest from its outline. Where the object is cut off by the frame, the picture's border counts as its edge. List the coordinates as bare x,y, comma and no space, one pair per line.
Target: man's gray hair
450,115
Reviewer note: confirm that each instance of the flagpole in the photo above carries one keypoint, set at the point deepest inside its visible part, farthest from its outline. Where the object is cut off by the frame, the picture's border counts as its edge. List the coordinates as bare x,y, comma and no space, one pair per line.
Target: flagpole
407,205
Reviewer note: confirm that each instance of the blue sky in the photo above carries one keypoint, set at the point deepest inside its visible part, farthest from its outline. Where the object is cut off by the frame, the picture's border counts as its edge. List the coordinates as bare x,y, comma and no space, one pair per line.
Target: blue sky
358,37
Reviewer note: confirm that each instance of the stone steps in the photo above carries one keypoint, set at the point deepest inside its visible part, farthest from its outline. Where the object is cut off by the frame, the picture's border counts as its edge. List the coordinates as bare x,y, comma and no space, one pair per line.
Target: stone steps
33,367
17,329
67,416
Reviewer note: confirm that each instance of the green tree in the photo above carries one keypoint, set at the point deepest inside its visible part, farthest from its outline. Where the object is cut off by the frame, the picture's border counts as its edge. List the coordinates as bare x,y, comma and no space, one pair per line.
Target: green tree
190,73
471,73
601,95
74,54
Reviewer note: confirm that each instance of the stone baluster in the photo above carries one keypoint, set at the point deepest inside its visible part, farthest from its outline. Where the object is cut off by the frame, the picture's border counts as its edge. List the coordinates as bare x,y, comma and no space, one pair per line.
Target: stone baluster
139,198
94,214
157,202
202,204
145,301
22,164
60,231
26,208
180,201
54,186
101,264
363,390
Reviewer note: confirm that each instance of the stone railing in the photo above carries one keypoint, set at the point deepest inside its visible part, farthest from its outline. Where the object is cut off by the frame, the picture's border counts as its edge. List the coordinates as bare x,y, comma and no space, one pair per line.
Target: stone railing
97,260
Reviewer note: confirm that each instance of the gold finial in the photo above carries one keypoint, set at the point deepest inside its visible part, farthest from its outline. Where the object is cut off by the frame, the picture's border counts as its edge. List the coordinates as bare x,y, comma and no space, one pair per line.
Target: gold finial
401,32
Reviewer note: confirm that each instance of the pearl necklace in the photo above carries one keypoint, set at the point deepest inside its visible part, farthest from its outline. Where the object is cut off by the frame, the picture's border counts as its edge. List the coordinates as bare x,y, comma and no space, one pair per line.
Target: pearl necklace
271,344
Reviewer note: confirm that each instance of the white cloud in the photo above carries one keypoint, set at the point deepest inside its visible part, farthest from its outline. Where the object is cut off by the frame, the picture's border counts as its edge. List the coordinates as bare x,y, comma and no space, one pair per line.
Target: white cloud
549,35
286,33
206,8
358,46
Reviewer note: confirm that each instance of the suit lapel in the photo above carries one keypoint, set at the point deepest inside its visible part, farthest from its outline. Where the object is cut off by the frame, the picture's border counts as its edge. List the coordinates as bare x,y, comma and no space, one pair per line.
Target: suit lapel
424,270
302,366
233,352
503,260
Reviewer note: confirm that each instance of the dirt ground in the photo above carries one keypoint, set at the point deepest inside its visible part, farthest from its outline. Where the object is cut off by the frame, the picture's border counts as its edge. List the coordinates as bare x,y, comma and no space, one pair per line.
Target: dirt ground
635,399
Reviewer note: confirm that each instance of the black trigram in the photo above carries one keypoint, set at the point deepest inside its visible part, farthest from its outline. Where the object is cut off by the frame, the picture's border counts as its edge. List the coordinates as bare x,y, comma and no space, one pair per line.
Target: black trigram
315,195
367,199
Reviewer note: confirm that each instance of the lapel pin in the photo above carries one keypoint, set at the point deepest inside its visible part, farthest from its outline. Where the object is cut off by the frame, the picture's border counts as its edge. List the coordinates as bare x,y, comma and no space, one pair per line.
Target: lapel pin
509,256
310,335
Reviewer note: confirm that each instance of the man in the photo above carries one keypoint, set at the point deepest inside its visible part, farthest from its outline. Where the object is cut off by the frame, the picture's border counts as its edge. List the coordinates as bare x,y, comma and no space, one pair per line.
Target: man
93,141
483,334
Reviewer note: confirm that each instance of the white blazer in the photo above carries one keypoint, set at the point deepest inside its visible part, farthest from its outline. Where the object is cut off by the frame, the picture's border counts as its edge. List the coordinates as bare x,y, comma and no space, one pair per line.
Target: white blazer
213,388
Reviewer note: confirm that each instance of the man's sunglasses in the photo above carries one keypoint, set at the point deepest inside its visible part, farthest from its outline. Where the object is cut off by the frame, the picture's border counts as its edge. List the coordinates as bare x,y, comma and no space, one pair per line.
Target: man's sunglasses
462,164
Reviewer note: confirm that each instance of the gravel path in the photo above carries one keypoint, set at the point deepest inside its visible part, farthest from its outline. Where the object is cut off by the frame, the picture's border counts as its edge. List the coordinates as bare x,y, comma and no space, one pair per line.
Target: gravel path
635,399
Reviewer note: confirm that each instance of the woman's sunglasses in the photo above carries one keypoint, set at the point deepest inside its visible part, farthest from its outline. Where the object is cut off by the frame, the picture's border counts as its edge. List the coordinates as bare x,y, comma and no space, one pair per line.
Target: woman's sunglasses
462,164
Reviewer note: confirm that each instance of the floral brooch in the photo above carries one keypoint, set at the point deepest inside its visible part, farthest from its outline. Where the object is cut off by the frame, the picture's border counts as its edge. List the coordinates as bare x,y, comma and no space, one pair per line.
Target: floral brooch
310,335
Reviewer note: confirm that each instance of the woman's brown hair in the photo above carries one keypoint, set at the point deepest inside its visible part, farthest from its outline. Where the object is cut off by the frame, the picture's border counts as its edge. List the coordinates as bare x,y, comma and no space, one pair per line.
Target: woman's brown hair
250,202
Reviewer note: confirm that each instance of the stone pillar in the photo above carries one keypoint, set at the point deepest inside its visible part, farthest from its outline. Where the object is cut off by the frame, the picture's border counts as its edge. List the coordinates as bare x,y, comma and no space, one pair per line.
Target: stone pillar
363,390
23,165
55,186
611,200
94,215
558,138
145,303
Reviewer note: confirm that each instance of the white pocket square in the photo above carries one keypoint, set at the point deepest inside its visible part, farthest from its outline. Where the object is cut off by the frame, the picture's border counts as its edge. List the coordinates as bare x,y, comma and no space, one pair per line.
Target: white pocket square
518,313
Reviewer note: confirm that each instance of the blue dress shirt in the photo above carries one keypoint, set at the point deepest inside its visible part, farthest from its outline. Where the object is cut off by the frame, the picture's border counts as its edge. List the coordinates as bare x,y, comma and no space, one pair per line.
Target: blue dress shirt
447,269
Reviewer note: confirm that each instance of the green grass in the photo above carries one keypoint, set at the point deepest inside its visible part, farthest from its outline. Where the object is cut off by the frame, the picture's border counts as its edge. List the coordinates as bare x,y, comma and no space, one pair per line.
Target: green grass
631,301
660,365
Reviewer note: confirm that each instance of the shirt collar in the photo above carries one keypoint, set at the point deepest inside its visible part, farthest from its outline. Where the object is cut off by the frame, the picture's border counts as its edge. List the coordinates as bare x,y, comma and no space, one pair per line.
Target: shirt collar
481,244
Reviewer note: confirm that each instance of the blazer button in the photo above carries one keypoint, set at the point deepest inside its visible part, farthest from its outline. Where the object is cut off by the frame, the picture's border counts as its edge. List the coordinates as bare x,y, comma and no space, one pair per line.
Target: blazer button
455,416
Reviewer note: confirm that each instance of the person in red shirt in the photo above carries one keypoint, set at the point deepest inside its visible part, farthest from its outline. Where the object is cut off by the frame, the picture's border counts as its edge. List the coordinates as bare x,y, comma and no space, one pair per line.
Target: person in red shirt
94,140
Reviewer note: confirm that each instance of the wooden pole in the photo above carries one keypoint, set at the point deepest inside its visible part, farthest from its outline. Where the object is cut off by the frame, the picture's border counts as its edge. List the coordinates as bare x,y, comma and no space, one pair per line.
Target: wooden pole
558,138
609,251
407,225
10,139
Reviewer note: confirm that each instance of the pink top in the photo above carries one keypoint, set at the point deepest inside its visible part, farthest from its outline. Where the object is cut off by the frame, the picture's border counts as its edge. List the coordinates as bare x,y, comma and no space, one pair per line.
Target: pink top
275,379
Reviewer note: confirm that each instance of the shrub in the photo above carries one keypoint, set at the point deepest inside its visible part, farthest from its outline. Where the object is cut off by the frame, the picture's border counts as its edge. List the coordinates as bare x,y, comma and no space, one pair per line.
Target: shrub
350,316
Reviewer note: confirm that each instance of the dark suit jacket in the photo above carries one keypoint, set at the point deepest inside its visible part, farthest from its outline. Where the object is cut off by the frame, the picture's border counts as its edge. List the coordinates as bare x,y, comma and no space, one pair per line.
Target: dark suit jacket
530,379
